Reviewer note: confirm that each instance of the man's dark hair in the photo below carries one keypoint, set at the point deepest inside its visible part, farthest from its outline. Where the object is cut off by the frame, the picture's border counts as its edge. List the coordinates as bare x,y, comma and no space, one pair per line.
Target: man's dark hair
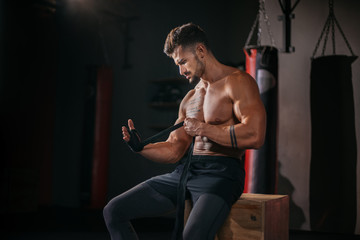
185,36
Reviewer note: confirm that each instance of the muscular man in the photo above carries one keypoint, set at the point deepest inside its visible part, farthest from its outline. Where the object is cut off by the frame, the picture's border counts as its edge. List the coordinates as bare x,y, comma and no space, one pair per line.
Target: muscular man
224,115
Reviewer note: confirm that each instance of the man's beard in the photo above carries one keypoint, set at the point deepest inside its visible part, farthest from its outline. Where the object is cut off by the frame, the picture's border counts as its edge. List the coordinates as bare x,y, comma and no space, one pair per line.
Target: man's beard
199,71
194,80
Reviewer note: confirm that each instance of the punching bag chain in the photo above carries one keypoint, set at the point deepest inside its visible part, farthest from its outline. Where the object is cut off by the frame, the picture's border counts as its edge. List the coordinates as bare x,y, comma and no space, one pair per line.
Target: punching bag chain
330,23
267,21
331,11
261,15
252,30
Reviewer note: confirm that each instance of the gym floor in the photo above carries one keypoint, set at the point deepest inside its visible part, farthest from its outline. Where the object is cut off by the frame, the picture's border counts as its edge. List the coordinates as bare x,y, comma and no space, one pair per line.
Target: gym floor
80,224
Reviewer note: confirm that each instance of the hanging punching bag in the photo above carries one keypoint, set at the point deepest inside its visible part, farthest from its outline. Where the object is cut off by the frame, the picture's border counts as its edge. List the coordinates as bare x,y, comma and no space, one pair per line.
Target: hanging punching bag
333,145
261,164
262,65
333,139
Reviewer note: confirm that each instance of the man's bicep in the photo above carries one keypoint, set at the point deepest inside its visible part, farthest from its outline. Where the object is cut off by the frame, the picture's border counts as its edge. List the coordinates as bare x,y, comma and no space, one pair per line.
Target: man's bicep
252,116
245,95
179,135
250,112
179,140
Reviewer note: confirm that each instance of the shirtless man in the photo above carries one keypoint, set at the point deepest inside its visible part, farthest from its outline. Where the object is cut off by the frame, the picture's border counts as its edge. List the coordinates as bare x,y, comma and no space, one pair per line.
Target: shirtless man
224,115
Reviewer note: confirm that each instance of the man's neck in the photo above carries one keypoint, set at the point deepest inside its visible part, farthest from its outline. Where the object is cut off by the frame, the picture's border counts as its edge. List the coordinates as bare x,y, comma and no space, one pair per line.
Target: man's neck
214,70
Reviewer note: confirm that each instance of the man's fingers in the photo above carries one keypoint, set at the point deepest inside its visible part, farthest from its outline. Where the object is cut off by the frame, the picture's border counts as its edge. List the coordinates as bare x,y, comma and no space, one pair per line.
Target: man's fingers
125,131
188,120
131,124
126,135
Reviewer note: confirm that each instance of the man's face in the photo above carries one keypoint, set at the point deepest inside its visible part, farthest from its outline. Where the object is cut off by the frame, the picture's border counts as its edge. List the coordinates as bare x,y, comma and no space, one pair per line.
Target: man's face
189,63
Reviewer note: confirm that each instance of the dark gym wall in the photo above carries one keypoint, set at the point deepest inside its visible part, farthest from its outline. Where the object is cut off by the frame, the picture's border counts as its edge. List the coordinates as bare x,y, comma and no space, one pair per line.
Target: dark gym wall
93,34
42,117
27,103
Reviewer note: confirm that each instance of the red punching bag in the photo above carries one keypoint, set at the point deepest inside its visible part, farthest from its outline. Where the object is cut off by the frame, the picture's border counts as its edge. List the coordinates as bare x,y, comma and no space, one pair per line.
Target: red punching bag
96,138
262,65
261,164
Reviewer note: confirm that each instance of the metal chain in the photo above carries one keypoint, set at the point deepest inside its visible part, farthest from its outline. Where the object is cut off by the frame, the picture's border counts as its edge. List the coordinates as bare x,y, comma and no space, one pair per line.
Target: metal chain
330,22
333,34
252,31
321,36
326,35
343,35
267,21
331,6
331,12
257,22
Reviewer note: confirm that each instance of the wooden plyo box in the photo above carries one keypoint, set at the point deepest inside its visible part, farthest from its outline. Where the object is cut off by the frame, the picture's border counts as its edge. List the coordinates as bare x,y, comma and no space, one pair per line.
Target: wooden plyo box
255,217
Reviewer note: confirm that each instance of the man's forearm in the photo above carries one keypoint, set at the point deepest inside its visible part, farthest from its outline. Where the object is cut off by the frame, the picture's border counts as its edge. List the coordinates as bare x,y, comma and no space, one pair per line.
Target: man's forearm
162,152
236,136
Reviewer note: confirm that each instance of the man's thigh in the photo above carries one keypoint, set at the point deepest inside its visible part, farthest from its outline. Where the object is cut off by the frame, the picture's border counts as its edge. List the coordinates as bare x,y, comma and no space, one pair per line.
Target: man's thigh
140,201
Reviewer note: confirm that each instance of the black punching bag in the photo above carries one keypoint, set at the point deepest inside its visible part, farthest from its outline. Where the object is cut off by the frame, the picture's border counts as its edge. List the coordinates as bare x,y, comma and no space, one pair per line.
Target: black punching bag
261,164
333,145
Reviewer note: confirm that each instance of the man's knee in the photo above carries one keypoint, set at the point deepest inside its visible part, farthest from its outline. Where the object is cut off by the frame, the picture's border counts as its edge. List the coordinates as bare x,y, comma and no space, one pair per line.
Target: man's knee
206,217
113,210
197,231
108,213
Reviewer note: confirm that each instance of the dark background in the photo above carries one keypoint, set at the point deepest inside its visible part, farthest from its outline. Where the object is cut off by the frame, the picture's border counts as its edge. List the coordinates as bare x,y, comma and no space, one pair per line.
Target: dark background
48,52
46,60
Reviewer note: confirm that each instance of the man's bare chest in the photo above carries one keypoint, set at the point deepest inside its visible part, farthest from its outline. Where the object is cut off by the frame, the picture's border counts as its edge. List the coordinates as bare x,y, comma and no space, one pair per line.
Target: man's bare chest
209,105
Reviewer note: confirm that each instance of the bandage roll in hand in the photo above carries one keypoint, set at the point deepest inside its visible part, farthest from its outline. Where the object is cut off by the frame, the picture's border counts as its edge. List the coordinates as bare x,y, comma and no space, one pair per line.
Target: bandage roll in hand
135,143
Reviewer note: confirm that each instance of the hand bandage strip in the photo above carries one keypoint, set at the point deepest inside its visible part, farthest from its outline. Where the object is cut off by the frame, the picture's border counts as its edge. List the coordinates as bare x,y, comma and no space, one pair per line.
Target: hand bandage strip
135,143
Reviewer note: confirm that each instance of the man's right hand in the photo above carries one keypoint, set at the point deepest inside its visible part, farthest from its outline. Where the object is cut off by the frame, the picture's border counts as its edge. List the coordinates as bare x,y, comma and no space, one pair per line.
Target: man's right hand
132,137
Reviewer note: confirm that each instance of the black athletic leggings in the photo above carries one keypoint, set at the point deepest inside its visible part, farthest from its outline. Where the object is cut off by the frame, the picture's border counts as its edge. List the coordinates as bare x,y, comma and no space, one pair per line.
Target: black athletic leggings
207,216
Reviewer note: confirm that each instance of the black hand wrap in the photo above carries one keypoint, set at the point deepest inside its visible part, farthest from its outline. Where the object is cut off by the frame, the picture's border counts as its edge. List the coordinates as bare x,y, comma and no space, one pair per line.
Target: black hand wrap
135,143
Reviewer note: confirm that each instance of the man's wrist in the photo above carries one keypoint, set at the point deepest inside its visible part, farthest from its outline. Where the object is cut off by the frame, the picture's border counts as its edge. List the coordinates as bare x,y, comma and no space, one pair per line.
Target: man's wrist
202,129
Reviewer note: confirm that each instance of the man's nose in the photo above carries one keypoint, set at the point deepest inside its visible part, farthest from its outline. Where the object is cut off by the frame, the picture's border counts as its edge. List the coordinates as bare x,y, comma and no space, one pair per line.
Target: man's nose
182,70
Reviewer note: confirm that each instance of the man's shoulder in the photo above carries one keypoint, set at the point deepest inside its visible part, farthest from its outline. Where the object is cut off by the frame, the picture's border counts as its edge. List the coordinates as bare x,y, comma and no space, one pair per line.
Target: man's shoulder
185,100
188,96
240,83
237,77
190,93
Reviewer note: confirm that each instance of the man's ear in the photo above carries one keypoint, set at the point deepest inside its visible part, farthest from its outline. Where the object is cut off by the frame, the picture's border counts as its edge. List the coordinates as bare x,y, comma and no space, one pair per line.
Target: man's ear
201,50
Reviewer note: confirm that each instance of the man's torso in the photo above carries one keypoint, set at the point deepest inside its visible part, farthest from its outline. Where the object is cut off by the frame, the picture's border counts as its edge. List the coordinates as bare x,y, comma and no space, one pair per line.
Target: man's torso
211,104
